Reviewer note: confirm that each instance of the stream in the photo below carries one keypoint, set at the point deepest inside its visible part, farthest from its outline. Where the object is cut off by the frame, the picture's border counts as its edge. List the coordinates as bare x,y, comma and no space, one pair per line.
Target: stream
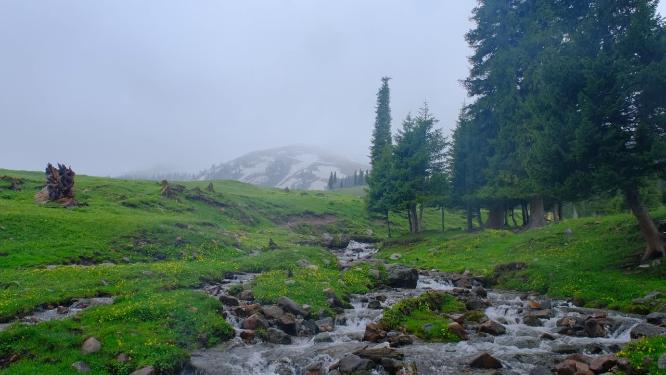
522,349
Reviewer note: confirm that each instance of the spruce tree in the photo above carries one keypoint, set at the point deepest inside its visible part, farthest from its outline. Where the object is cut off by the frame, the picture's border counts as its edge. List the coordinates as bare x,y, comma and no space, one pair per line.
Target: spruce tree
380,156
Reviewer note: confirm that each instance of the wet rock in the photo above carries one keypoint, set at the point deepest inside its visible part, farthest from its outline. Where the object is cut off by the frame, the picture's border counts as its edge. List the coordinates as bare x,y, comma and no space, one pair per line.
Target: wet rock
315,369
374,304
287,323
62,310
272,312
532,321
656,318
373,332
480,291
458,330
572,367
397,339
565,349
493,328
336,303
378,353
475,303
648,298
323,337
647,330
91,345
540,370
307,328
603,364
290,306
485,361
547,336
247,310
400,276
463,282
246,295
254,322
276,336
228,300
391,365
325,325
353,363
148,370
247,336
81,367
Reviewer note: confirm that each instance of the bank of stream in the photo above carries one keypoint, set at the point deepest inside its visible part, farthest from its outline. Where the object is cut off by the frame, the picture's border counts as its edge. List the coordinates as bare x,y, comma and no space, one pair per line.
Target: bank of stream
536,333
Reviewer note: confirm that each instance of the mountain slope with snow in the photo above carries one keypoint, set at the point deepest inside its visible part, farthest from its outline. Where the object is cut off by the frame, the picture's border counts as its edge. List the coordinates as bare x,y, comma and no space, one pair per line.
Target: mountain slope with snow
295,167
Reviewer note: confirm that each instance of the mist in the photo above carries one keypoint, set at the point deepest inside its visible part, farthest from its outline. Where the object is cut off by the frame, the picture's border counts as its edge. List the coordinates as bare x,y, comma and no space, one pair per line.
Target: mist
115,86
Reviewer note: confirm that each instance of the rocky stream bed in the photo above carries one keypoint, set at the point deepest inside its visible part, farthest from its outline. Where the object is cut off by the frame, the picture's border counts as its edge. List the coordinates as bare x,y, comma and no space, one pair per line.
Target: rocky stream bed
515,334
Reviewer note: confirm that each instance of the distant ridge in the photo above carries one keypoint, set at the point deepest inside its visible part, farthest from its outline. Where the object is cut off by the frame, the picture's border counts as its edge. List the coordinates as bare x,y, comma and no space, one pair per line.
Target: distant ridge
295,167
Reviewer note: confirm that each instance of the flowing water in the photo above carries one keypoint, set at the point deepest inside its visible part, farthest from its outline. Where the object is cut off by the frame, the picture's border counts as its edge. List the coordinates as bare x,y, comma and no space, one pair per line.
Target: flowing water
60,312
520,350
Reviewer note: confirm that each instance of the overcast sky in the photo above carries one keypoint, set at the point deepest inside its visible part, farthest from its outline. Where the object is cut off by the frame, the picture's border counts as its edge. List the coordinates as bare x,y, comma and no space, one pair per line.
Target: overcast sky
114,86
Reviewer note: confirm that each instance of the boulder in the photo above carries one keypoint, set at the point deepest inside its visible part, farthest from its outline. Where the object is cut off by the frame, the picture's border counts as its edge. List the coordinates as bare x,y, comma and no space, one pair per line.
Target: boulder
603,364
492,327
246,295
646,330
378,353
228,300
353,363
565,349
276,336
572,367
80,366
287,323
247,310
325,324
91,345
254,322
323,337
290,306
148,370
272,312
656,318
540,370
373,332
374,304
315,369
397,339
306,328
480,291
458,330
400,276
532,321
247,336
485,361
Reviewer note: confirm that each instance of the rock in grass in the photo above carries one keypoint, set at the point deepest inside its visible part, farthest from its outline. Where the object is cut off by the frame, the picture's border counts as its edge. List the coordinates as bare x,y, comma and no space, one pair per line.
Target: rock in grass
661,362
148,370
122,357
289,305
485,361
656,318
81,367
458,330
646,330
91,345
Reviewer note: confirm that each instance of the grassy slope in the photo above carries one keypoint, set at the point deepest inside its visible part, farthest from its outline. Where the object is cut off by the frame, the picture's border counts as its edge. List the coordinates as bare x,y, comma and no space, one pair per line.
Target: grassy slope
595,265
173,246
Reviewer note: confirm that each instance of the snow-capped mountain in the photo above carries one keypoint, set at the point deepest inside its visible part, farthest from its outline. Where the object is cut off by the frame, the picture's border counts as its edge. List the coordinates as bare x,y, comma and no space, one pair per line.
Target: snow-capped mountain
295,167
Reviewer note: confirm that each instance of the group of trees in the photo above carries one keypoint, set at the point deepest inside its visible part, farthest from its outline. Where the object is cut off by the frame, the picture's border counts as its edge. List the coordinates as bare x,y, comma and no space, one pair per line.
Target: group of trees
569,103
359,178
410,174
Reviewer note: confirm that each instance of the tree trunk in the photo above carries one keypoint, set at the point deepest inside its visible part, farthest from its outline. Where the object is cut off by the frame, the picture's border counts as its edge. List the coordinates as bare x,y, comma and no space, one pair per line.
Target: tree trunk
506,218
470,224
513,216
442,209
575,212
409,218
537,214
655,243
495,217
420,222
526,215
388,224
415,220
556,212
478,216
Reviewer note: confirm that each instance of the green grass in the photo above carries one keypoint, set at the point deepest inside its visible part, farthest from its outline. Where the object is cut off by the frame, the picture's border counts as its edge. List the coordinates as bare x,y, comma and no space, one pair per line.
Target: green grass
637,351
595,266
423,316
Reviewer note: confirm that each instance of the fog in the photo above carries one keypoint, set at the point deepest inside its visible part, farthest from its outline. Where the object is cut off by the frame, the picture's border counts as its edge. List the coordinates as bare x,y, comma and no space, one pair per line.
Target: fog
114,86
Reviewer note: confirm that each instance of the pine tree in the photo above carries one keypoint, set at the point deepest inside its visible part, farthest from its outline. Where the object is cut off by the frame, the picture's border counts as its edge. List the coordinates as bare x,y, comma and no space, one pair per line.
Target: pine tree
380,156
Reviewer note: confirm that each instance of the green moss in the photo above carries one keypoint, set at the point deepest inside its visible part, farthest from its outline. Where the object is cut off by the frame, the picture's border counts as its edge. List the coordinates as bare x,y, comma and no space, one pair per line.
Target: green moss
423,316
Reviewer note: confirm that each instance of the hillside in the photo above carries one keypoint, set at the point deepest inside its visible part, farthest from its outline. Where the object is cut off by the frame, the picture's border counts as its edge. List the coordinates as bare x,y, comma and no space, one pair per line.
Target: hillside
152,254
295,167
